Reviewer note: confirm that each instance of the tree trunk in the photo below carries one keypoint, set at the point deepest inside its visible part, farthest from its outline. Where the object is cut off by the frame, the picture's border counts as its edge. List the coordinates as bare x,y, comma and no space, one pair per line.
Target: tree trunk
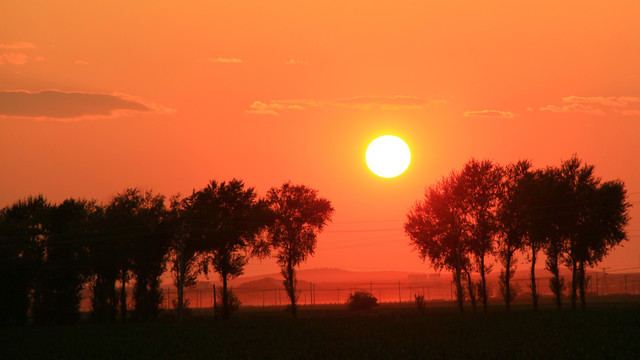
556,285
472,295
180,293
582,284
225,296
507,280
123,296
459,292
181,274
484,284
574,285
290,282
112,309
534,292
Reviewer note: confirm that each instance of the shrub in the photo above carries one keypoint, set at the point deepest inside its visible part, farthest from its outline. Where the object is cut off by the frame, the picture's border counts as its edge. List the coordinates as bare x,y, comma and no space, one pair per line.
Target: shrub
362,300
420,303
233,301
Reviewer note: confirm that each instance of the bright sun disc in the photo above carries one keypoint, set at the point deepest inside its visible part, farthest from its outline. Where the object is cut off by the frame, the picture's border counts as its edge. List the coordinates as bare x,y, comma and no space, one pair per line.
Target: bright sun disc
388,156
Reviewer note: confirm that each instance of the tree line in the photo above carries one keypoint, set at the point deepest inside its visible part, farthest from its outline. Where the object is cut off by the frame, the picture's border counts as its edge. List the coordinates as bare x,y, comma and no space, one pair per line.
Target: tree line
486,211
50,252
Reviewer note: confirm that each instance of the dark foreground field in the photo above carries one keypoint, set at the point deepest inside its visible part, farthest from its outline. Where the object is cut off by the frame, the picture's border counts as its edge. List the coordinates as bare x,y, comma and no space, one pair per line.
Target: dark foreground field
609,331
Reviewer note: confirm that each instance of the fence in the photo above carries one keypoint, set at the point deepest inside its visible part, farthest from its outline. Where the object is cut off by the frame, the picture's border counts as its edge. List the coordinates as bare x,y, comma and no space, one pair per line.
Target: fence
398,292
598,285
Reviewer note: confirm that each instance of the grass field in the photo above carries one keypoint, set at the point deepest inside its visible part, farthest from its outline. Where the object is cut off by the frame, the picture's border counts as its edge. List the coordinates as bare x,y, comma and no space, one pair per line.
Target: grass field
603,331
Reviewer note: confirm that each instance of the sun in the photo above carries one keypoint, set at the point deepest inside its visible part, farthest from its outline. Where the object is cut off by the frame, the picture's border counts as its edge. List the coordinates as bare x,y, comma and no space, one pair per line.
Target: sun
388,156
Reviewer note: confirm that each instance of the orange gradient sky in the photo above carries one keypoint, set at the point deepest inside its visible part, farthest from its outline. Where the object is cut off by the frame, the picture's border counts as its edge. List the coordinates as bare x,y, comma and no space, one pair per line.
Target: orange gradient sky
170,94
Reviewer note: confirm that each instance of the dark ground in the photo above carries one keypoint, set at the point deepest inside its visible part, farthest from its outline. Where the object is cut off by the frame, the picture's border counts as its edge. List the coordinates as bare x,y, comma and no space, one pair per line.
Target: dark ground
604,331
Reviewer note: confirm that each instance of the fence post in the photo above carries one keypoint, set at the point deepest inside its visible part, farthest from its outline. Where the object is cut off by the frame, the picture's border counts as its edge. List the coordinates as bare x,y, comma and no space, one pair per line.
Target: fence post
399,293
338,295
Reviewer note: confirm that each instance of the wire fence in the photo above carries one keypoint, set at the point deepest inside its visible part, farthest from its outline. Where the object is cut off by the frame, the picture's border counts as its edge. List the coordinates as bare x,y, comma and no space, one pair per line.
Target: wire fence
599,284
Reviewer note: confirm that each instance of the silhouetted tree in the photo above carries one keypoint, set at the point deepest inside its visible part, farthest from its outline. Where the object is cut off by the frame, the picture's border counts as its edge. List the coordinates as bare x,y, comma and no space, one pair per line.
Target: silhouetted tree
299,216
582,184
184,253
555,201
597,216
481,186
65,267
104,254
435,227
123,226
512,224
604,228
224,220
541,223
149,248
22,233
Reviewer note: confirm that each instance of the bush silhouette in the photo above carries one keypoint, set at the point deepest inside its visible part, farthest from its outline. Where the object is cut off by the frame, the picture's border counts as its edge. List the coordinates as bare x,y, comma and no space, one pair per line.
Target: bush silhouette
233,302
420,302
362,300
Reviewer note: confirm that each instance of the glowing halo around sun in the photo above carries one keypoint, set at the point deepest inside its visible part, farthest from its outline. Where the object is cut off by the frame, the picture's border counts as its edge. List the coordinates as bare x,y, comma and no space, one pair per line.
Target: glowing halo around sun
388,156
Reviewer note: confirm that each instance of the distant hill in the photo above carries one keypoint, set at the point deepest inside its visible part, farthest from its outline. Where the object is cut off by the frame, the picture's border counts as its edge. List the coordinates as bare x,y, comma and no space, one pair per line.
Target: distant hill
267,283
340,276
333,275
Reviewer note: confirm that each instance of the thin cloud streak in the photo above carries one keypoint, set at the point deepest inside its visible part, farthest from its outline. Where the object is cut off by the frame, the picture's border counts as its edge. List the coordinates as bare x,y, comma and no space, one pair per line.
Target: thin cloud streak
76,105
221,60
490,114
597,105
388,103
17,45
13,58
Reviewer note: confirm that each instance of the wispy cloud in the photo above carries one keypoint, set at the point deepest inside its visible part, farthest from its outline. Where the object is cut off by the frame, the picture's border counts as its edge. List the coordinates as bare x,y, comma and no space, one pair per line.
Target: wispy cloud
80,62
490,114
295,62
17,45
13,58
222,60
271,108
75,105
597,105
387,103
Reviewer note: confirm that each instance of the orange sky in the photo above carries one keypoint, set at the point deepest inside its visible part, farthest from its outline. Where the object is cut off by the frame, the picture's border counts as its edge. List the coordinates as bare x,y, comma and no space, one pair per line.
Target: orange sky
170,94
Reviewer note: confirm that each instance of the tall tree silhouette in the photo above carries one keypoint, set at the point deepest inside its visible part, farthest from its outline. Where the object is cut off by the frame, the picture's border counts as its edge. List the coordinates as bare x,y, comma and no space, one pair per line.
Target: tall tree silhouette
22,232
224,219
540,223
184,254
555,201
582,184
104,254
65,268
435,226
512,224
481,184
300,215
149,250
604,228
597,217
123,226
